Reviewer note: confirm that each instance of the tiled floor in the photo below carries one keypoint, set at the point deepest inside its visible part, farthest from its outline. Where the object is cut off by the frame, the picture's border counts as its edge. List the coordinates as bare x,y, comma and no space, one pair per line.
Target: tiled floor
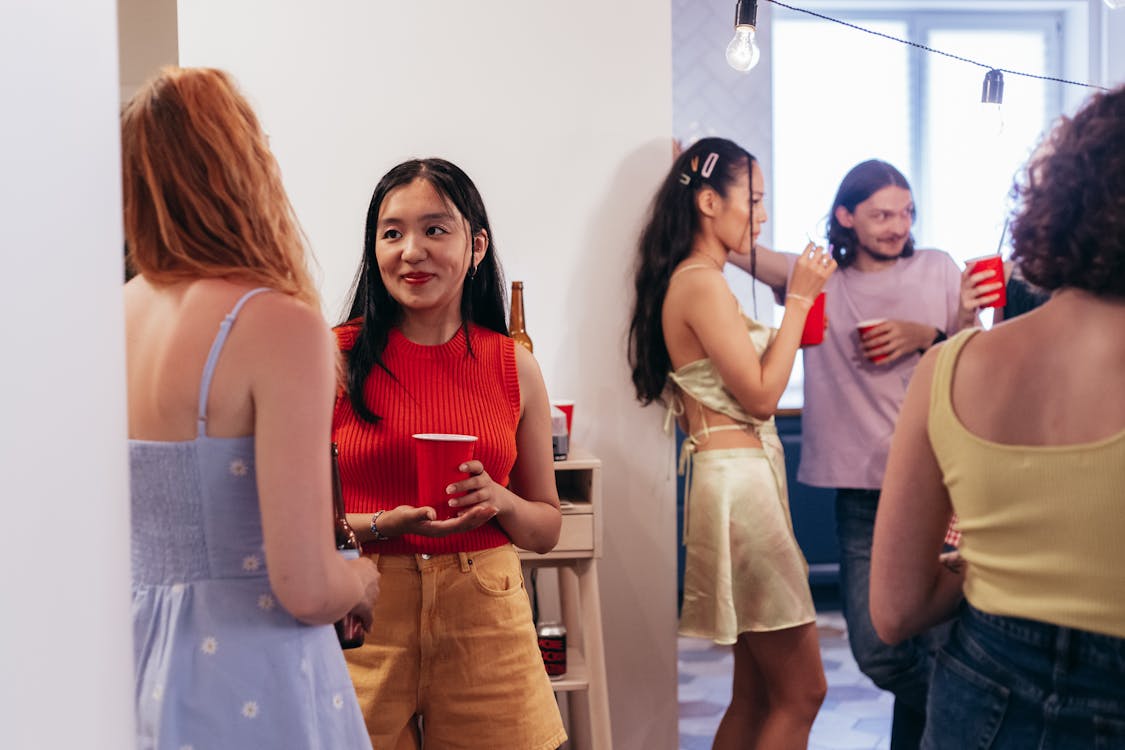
856,715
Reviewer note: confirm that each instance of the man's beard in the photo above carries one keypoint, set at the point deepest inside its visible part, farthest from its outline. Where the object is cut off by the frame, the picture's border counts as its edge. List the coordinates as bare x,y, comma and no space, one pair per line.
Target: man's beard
880,255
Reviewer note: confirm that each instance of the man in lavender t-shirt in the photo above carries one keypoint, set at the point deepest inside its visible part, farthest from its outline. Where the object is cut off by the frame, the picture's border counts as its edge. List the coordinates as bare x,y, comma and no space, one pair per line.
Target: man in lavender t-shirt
852,402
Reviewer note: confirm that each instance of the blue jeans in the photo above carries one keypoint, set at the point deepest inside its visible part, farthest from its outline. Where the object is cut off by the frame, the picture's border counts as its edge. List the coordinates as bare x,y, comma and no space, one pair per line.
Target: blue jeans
903,669
1005,683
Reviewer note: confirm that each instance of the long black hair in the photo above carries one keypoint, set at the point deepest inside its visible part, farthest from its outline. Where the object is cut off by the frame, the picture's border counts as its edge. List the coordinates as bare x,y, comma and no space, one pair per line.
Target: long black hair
860,183
715,163
482,301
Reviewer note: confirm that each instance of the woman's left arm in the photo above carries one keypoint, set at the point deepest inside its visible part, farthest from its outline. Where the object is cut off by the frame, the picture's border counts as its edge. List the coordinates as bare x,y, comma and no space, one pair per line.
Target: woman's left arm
529,511
910,589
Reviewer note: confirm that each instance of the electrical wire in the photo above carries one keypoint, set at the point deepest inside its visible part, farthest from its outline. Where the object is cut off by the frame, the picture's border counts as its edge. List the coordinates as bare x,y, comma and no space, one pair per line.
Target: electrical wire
935,51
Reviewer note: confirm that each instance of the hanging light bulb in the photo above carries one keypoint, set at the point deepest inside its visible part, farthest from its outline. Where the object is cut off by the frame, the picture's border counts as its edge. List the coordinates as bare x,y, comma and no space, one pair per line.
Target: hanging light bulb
742,52
993,90
992,97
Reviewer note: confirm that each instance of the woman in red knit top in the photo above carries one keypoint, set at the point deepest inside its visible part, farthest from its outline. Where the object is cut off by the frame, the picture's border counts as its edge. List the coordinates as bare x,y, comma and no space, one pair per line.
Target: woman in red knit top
427,351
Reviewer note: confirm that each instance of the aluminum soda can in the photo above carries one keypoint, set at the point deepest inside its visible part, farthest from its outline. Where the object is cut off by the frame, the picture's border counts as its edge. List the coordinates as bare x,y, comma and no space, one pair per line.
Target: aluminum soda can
552,644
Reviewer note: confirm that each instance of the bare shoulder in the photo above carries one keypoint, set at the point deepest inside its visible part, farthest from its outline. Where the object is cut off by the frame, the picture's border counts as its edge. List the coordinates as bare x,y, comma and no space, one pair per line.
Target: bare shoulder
693,275
526,364
691,286
278,328
530,376
989,355
699,294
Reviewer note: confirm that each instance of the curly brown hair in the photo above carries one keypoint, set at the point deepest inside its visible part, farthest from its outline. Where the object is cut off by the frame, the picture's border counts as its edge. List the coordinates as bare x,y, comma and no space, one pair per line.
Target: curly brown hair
1069,230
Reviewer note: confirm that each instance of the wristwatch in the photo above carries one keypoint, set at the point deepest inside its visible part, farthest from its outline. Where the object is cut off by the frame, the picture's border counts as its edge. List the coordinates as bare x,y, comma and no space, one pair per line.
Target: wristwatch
938,338
377,535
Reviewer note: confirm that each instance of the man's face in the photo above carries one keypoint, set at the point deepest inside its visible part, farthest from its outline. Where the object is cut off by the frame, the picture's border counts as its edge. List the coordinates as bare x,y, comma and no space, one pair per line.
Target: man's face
882,222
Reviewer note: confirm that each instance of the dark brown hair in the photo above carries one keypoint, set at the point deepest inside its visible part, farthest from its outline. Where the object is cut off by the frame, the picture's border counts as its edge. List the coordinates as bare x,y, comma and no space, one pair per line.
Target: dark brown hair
1069,230
860,183
713,163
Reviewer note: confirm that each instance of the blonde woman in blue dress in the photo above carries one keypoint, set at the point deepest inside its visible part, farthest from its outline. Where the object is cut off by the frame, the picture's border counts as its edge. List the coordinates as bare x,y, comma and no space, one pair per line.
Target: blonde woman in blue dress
721,374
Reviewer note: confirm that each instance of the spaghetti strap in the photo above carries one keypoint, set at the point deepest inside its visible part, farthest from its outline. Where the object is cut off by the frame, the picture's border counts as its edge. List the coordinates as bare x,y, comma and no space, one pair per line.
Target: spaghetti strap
213,356
941,388
690,266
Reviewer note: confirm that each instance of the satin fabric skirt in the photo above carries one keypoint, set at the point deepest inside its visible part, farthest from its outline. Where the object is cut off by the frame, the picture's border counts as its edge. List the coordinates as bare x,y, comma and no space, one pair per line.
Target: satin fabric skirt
744,570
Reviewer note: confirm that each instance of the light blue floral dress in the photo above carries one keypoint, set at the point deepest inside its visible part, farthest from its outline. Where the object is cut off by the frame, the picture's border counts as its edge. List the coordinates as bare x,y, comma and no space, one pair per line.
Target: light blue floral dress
219,663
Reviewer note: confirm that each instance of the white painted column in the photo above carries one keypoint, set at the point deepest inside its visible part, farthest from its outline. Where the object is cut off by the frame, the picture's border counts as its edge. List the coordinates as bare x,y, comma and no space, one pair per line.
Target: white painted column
66,673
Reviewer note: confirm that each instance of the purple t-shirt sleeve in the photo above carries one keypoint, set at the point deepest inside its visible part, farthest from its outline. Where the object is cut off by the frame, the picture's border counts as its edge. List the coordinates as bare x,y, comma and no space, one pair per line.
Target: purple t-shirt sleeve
953,291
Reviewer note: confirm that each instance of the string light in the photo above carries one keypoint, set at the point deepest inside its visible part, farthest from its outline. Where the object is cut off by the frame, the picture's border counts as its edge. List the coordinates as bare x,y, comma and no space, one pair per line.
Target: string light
993,92
742,52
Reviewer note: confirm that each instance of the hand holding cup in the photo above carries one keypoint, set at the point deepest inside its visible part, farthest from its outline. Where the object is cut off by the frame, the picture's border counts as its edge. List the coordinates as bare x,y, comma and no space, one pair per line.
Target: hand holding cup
813,267
982,283
884,342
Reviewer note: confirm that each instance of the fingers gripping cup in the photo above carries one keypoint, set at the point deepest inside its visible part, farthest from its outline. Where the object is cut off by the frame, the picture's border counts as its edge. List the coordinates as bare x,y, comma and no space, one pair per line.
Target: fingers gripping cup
994,264
813,332
438,457
862,327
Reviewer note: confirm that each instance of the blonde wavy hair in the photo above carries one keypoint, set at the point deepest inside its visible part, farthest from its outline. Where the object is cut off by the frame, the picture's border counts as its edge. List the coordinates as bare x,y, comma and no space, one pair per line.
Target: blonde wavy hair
202,192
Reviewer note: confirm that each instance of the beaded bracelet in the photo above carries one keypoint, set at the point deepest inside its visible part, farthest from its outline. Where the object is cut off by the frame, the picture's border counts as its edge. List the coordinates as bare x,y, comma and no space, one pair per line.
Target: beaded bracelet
377,535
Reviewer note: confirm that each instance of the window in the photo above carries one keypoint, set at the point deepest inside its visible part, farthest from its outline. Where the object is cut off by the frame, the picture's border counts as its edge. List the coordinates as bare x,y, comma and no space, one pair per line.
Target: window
920,111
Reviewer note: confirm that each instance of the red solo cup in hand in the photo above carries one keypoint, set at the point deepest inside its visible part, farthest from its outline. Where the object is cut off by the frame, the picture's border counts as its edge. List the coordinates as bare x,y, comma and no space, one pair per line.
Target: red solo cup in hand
566,406
813,332
995,264
439,458
863,327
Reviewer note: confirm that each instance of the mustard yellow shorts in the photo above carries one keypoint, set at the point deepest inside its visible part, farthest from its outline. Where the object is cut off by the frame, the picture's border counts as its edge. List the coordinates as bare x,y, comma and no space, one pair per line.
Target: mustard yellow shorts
453,642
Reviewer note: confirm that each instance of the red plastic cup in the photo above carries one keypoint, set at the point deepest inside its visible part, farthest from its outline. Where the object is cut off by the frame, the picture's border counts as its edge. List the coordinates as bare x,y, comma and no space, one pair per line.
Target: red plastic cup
438,458
813,332
995,264
863,327
566,406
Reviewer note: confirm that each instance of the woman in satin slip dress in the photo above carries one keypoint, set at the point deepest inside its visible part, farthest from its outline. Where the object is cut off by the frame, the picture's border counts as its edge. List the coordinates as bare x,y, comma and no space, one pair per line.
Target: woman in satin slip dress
721,374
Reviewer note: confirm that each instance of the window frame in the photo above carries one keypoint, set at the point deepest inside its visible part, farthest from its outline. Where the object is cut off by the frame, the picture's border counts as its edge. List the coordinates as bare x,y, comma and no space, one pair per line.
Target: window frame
920,19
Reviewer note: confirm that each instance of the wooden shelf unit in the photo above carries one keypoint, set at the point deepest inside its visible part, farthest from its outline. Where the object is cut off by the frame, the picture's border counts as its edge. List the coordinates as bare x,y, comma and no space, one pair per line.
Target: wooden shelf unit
575,558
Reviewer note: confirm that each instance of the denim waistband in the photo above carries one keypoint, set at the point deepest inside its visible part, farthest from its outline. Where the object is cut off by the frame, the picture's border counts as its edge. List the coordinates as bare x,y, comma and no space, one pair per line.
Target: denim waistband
1082,645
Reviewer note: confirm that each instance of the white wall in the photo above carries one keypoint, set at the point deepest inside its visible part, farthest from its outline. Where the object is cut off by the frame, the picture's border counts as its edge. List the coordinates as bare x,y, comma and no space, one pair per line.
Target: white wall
66,675
562,115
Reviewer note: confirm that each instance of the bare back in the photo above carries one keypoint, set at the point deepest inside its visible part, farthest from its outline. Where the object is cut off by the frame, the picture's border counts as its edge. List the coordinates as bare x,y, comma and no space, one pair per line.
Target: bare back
274,379
169,331
690,283
1050,377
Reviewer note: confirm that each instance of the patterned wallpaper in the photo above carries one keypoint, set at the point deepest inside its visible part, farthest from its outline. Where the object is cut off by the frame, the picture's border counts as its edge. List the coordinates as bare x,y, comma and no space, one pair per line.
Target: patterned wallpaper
710,98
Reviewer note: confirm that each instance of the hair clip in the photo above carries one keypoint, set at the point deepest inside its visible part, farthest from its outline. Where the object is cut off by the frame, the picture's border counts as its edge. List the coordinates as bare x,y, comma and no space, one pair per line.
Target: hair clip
708,167
709,164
